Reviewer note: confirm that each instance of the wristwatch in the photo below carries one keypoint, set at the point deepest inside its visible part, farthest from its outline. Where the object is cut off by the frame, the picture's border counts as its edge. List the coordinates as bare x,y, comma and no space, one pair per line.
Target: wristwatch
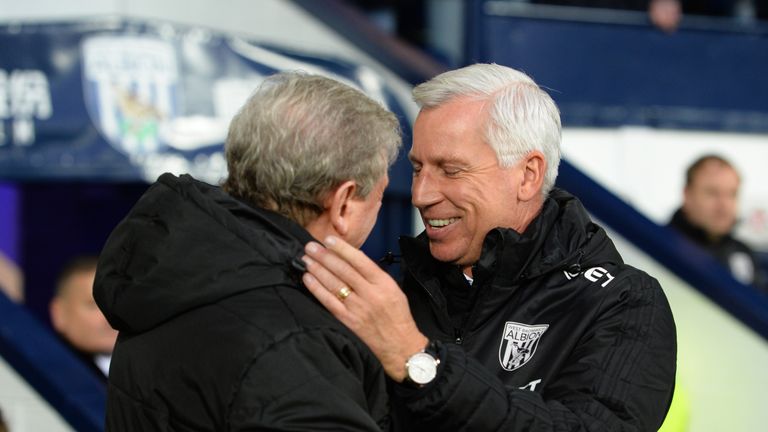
421,368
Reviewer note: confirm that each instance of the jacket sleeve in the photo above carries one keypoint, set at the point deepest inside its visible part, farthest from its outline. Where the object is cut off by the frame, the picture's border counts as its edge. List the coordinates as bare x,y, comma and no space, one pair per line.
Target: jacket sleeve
312,381
620,377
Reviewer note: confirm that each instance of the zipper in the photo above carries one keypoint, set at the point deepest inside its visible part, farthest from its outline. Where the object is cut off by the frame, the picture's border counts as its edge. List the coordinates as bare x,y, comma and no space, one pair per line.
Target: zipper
486,287
457,334
458,340
575,268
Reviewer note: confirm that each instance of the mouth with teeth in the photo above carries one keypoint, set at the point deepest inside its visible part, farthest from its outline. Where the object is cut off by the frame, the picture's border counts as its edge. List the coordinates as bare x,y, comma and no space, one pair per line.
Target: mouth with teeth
439,223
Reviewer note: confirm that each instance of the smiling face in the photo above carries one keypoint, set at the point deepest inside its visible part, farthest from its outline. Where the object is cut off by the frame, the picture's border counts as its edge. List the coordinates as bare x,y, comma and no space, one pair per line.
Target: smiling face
458,186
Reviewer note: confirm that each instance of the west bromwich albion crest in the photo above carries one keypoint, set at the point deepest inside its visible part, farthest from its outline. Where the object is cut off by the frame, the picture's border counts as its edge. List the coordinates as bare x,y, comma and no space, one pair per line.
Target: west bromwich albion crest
518,344
131,86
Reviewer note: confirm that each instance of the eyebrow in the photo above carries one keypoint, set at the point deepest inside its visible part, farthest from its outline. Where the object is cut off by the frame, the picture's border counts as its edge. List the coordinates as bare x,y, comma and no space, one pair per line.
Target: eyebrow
442,160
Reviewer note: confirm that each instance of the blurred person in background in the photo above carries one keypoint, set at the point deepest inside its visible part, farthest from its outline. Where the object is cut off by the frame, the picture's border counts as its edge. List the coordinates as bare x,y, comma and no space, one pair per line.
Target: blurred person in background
204,283
11,279
78,320
667,14
709,214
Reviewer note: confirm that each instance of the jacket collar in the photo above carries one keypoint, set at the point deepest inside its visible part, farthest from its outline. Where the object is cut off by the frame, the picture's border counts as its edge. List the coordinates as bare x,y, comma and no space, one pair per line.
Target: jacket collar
681,223
562,236
186,244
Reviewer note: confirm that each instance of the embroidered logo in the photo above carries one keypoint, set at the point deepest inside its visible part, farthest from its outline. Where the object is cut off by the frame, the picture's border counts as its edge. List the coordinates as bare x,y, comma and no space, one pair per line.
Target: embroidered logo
570,275
518,344
131,87
596,273
531,385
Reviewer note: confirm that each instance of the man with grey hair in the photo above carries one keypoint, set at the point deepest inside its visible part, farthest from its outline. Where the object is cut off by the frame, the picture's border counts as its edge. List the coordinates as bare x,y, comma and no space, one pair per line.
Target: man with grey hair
203,283
516,311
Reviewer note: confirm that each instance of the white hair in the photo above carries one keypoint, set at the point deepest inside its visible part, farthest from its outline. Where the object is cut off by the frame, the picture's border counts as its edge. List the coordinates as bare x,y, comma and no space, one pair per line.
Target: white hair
522,117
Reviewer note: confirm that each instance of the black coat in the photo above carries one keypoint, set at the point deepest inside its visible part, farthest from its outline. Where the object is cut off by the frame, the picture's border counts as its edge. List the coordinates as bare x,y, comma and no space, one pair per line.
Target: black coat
734,255
555,333
216,333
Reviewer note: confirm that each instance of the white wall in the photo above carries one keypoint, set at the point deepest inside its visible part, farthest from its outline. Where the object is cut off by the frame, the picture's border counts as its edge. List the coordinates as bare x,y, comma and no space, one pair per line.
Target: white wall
23,409
646,167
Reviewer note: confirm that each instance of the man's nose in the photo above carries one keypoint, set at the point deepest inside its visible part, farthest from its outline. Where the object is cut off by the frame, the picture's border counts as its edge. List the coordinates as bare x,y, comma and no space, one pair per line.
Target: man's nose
425,190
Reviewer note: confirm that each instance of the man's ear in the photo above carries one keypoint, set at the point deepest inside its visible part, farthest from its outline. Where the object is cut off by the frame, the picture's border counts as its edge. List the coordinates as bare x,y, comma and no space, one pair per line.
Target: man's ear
534,166
687,192
58,318
338,204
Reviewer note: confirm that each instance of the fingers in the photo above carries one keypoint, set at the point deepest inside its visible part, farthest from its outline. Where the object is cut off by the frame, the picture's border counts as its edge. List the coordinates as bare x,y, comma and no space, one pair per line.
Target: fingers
325,296
344,265
331,270
335,294
339,298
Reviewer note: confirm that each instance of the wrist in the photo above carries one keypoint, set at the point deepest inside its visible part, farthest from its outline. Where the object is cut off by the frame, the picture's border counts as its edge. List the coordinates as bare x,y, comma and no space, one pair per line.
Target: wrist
422,367
396,366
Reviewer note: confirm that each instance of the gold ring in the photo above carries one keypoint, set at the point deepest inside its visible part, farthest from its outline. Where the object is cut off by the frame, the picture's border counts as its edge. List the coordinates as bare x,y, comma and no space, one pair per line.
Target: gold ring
343,293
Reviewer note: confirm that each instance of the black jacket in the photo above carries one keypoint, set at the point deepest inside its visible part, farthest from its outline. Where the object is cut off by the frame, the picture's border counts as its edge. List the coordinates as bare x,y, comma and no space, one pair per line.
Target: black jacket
556,333
734,255
216,334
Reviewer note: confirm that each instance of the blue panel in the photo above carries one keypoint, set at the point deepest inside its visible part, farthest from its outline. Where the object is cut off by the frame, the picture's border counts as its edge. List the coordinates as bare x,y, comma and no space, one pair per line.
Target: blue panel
55,373
608,73
121,100
9,221
63,220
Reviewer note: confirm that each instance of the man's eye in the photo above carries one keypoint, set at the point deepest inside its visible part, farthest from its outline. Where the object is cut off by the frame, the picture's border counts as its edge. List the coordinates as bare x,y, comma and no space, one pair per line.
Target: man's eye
451,171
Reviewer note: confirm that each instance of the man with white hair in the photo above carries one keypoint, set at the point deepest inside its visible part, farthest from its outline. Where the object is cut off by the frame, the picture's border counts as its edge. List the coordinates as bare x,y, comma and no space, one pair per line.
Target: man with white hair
516,311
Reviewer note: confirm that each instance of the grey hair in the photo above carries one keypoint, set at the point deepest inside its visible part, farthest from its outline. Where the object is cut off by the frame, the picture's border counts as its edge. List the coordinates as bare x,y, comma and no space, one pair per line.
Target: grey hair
298,136
523,117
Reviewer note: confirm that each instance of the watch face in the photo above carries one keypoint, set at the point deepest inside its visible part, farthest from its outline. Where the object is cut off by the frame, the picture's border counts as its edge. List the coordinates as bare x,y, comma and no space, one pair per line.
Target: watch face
422,368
